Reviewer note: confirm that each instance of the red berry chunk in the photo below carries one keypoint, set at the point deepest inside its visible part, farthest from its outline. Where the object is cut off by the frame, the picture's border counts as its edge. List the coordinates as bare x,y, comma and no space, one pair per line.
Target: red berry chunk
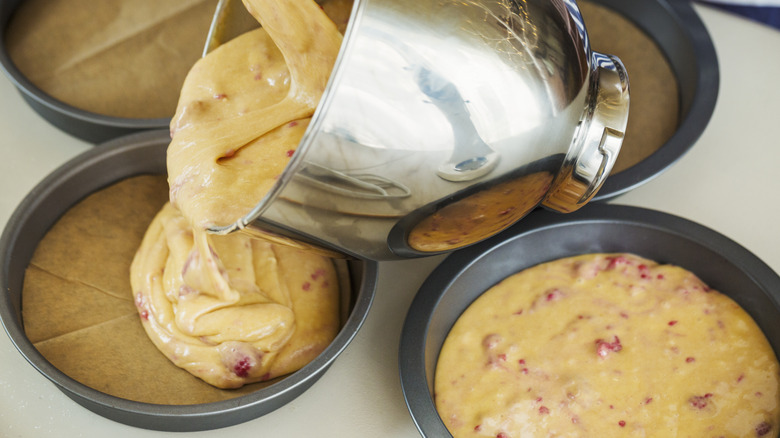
317,274
553,295
242,367
603,348
763,428
699,401
617,261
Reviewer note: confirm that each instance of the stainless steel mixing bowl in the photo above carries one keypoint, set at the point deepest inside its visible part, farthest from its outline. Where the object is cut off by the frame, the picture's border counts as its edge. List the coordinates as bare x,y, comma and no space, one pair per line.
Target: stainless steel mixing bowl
431,102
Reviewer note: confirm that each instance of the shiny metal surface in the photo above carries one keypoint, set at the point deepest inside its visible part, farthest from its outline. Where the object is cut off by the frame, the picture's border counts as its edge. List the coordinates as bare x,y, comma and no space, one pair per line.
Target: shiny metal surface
435,101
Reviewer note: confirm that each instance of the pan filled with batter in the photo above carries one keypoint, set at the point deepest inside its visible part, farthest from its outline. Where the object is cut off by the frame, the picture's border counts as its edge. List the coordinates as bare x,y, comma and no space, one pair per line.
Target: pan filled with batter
610,320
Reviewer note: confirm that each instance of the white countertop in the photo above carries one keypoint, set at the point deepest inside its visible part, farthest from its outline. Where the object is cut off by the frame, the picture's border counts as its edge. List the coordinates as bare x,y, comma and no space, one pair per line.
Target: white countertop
729,182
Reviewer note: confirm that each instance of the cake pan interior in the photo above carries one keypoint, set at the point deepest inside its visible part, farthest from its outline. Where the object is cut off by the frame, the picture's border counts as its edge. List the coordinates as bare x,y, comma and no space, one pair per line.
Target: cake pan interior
99,167
543,236
685,43
86,125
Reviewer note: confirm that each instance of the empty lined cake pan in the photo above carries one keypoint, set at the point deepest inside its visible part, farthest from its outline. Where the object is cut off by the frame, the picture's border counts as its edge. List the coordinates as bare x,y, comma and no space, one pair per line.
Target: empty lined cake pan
87,125
682,38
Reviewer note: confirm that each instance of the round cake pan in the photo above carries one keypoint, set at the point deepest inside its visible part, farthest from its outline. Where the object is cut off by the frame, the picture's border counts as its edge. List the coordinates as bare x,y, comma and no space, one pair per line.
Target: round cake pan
89,126
128,156
543,236
681,36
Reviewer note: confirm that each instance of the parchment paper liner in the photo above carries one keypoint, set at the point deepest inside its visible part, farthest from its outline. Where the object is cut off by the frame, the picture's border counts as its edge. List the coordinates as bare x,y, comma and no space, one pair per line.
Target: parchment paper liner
77,304
120,58
655,108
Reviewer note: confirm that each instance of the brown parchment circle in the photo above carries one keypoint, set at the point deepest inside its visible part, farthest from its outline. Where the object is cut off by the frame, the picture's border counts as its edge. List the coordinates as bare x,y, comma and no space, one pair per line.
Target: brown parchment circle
654,92
119,58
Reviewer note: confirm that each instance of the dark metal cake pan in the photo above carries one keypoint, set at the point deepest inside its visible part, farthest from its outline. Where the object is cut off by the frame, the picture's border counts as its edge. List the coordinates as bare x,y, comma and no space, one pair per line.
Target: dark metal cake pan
86,125
544,236
681,36
97,168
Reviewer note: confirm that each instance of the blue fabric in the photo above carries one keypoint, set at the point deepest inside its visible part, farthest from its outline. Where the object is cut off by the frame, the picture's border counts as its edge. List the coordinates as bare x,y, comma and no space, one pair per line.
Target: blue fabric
769,15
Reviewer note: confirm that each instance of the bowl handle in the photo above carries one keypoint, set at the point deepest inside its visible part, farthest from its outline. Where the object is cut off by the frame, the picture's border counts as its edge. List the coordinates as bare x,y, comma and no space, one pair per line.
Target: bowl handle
598,138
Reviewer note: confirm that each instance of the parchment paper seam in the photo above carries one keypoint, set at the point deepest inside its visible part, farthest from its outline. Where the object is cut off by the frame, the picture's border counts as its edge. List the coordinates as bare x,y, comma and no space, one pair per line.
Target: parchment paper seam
117,41
77,281
92,327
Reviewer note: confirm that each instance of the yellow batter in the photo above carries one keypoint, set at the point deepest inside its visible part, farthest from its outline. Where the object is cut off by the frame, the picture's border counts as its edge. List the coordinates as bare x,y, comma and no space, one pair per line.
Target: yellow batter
607,345
229,309
244,108
480,215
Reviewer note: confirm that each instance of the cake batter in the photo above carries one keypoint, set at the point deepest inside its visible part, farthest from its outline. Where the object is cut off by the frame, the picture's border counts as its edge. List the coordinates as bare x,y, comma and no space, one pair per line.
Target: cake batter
606,345
245,107
229,309
232,310
481,214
